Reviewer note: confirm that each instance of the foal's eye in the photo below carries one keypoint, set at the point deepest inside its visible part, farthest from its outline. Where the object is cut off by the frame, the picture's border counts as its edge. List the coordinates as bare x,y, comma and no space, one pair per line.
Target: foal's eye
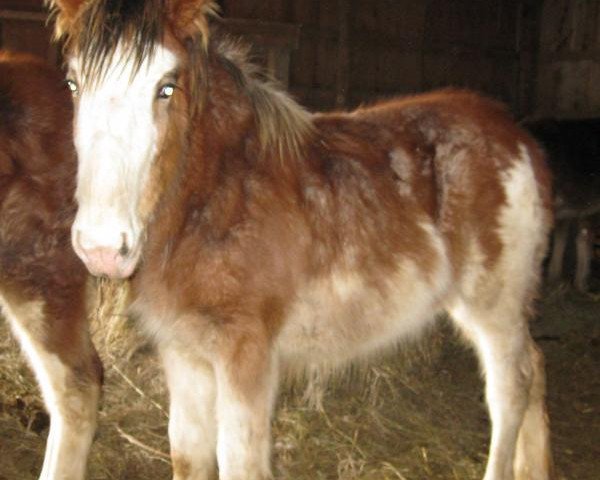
72,85
166,91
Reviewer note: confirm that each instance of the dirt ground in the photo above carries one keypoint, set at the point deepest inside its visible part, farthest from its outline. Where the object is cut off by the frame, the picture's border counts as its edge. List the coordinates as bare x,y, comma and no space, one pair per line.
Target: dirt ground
413,415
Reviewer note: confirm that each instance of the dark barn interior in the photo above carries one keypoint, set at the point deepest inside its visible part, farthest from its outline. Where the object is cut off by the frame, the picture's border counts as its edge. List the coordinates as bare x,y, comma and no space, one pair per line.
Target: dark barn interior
539,57
415,415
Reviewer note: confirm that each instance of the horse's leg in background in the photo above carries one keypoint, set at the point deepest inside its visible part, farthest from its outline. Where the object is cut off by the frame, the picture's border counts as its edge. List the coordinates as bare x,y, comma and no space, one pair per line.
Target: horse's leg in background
584,246
192,417
515,389
69,374
559,243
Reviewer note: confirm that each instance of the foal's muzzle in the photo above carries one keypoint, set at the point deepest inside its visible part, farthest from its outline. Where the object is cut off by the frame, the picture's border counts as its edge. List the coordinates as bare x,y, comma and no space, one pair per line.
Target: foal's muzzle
113,261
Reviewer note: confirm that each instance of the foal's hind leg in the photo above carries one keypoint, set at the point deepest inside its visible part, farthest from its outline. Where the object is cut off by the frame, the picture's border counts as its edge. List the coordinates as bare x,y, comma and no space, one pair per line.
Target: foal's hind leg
69,374
533,459
514,390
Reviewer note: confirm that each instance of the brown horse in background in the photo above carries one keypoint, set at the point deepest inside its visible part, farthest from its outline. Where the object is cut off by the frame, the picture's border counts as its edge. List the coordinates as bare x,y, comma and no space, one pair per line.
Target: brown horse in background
573,153
262,238
42,282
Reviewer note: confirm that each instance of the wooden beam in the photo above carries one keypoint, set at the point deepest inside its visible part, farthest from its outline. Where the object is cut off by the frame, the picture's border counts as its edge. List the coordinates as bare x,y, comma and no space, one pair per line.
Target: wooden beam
23,15
570,56
342,71
284,35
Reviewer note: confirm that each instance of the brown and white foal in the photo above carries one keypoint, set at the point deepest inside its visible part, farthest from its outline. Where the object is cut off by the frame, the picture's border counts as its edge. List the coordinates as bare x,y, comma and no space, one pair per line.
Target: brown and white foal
260,237
42,282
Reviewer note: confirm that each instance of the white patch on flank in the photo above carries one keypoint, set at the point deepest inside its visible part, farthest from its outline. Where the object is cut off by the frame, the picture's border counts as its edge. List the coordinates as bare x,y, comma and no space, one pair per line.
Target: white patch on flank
401,164
521,225
523,199
116,139
497,325
69,439
474,270
342,317
522,234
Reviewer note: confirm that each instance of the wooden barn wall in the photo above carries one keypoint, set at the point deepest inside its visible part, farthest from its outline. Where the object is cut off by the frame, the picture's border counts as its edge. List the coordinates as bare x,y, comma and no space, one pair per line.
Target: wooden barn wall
354,51
23,28
569,59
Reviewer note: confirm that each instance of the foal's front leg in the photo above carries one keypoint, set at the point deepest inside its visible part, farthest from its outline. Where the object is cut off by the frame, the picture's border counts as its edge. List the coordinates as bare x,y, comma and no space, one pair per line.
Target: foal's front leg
247,387
60,351
192,422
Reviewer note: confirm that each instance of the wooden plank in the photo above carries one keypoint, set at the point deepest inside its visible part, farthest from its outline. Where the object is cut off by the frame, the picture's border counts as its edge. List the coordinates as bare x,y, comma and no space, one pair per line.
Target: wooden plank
399,72
569,59
303,61
30,5
342,80
569,56
25,29
596,20
328,15
272,43
28,36
283,35
7,14
275,10
325,74
593,92
304,13
571,90
527,34
314,98
236,9
364,19
578,12
563,88
363,68
591,25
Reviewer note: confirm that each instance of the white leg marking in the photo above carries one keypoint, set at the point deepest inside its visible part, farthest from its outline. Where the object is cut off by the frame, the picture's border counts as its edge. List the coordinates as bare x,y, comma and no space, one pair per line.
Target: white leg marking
192,422
508,372
244,439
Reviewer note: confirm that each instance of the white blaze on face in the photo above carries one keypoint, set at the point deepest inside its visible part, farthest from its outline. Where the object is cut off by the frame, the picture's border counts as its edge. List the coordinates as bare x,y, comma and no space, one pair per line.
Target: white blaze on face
116,139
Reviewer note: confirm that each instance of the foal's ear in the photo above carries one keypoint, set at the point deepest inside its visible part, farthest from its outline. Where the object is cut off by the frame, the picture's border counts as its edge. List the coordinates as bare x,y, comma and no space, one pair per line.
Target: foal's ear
65,12
191,17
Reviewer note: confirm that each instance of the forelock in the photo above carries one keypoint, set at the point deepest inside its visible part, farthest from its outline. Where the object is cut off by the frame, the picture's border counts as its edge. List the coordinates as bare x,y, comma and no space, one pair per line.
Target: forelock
138,26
